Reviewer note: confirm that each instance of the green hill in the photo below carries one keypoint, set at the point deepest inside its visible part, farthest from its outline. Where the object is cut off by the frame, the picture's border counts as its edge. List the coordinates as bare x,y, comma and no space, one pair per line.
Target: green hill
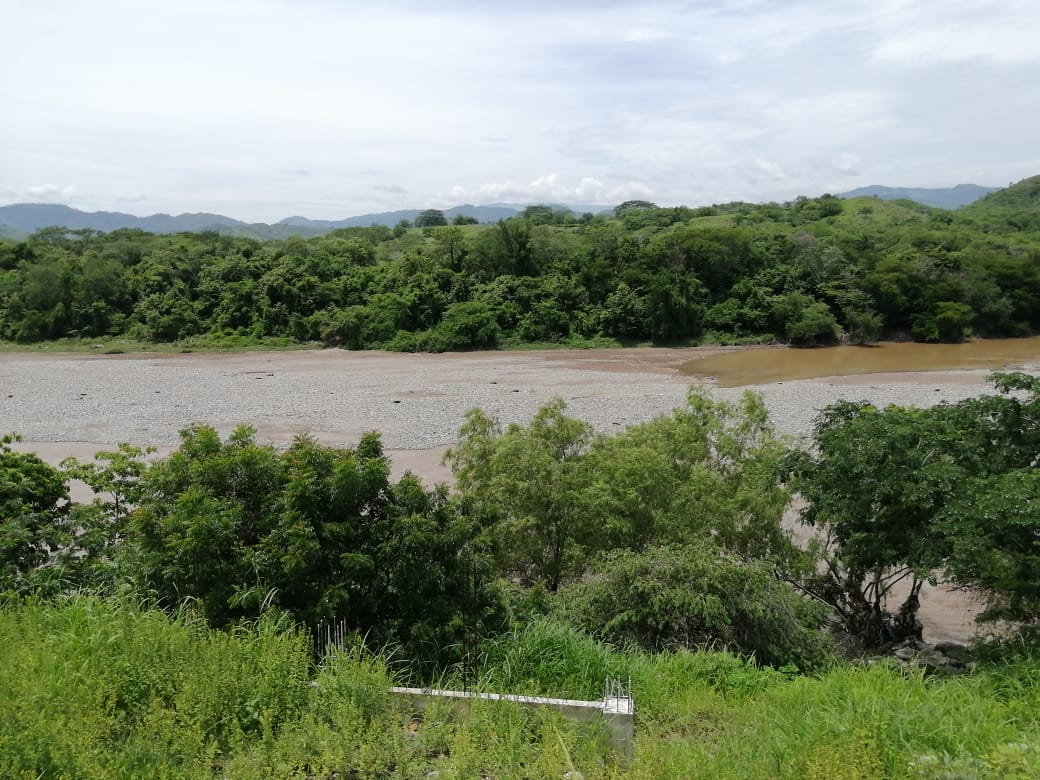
941,198
1014,208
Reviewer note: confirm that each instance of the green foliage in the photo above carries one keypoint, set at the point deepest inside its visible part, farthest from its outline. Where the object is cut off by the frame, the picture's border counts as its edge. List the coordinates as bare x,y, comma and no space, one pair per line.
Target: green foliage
101,526
624,313
321,533
468,325
561,493
953,320
696,596
100,689
865,327
430,218
547,656
634,205
530,478
106,689
97,689
34,526
805,321
708,470
904,492
803,271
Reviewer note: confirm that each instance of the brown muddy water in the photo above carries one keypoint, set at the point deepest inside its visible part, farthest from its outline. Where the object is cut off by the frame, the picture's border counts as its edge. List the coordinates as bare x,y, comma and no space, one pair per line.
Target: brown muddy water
777,364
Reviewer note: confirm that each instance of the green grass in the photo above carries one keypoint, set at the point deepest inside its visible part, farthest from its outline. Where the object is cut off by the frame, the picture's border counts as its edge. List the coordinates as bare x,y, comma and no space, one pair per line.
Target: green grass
100,689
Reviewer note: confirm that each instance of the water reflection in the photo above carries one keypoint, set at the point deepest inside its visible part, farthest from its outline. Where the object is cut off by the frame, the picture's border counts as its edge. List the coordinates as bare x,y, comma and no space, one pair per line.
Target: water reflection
774,364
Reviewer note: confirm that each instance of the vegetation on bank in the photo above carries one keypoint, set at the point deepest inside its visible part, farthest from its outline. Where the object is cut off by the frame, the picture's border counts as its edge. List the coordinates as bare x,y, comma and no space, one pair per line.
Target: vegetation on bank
563,557
806,272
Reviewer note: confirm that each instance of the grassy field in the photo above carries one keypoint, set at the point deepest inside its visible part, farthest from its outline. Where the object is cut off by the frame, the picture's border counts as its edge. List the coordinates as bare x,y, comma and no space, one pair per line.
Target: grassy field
93,689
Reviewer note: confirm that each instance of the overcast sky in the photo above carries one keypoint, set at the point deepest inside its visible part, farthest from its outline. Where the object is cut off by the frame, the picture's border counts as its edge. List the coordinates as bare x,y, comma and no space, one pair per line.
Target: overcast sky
270,108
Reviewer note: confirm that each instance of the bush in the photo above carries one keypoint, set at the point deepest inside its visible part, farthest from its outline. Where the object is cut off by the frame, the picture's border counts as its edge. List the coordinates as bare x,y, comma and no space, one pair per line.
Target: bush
686,597
469,324
865,326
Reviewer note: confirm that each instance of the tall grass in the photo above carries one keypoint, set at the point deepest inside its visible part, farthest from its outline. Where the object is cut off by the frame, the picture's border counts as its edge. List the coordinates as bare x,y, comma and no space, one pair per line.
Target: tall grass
104,689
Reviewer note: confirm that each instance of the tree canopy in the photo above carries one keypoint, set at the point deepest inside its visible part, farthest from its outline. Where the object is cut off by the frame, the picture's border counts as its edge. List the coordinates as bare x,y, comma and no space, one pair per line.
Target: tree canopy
908,494
808,272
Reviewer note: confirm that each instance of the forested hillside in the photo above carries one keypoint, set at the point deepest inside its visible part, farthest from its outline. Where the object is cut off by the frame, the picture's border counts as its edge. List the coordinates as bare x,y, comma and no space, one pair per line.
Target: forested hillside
809,272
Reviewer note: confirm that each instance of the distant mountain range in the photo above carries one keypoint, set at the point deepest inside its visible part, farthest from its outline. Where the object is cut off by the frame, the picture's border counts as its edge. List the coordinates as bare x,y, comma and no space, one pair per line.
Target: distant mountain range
391,218
21,219
940,198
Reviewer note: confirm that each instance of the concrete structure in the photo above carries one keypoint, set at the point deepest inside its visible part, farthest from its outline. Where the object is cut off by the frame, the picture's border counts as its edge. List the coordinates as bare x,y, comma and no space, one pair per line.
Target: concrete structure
616,709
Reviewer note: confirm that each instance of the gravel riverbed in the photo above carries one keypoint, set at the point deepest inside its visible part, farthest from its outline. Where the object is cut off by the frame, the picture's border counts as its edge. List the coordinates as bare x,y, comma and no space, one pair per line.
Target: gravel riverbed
417,402
75,405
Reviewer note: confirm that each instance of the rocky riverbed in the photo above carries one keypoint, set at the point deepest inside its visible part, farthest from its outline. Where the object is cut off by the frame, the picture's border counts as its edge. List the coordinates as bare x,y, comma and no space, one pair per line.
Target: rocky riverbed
417,402
77,404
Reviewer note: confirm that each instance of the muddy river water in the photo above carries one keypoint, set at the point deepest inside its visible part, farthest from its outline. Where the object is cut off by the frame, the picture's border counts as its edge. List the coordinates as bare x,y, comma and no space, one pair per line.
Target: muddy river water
773,364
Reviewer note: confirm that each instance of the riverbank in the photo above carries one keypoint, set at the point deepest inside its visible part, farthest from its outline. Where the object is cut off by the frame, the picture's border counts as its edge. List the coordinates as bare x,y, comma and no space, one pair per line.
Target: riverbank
75,405
417,401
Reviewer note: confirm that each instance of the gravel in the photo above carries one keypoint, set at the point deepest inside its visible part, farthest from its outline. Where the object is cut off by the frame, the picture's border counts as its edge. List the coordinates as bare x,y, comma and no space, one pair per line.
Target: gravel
416,401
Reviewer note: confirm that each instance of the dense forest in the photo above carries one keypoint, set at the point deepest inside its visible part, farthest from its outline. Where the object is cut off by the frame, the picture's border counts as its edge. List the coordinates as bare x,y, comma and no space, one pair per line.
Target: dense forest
812,271
168,622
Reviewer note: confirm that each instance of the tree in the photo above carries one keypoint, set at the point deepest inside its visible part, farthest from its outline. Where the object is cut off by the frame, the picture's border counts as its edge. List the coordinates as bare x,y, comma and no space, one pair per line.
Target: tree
101,525
624,313
904,493
34,525
318,532
814,325
539,214
430,218
467,325
953,320
633,205
451,242
236,524
864,326
707,472
804,320
991,524
873,489
529,478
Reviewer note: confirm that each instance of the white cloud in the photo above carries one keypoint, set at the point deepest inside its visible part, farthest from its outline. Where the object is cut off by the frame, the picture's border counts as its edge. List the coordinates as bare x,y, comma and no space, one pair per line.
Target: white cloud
932,34
665,100
647,34
847,164
49,193
763,170
551,187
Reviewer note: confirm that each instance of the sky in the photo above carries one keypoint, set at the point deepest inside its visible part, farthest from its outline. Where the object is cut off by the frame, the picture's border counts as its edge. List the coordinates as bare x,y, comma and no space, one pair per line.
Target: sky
266,109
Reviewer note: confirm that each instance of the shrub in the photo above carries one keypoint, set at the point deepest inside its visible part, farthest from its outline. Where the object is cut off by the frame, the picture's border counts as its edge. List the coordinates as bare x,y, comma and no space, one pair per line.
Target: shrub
685,597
